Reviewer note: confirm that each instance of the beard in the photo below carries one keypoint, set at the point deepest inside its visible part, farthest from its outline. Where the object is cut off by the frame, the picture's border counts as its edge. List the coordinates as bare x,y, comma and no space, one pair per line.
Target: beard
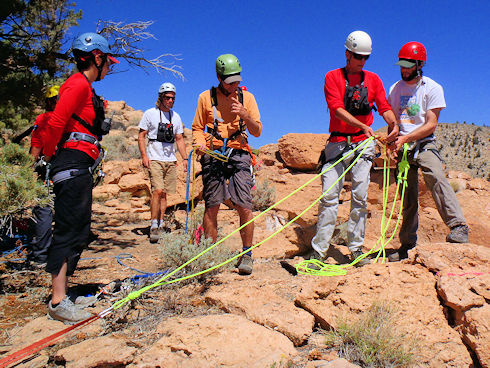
410,77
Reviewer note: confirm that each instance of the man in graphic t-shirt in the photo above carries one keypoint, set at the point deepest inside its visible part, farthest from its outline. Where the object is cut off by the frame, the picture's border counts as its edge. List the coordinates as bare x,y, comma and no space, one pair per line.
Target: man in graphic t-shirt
417,102
163,127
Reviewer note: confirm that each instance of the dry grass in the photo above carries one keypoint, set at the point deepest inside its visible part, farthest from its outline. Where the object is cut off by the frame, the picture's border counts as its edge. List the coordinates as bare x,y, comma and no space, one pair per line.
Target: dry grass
372,340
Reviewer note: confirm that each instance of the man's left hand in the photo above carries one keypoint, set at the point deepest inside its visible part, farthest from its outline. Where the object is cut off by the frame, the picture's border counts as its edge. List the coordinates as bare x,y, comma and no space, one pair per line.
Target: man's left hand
399,142
186,164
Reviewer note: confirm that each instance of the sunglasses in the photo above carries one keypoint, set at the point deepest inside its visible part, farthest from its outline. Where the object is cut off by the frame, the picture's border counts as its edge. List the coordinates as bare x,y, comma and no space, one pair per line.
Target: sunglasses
169,98
359,56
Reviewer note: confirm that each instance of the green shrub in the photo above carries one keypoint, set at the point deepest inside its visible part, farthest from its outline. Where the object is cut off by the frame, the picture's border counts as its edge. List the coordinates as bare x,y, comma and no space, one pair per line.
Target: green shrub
372,340
263,196
118,148
19,187
176,250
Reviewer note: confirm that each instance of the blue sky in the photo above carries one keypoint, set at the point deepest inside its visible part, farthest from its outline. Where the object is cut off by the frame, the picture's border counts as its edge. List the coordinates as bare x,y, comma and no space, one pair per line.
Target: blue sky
286,47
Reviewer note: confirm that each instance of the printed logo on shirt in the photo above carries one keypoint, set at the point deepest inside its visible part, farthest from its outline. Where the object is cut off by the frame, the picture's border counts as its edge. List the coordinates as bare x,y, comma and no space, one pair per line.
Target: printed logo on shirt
408,109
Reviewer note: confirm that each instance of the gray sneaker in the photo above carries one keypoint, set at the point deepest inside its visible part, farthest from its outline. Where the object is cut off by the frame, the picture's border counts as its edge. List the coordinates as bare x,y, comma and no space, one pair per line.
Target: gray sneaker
85,301
154,234
458,234
245,265
363,262
67,312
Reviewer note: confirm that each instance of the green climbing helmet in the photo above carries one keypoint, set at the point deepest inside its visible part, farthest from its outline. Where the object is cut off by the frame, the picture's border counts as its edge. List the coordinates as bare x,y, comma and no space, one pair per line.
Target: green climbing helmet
228,64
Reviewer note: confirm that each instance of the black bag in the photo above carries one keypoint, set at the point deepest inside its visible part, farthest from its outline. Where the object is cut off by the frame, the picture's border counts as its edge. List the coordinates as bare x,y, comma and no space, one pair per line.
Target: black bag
165,131
356,98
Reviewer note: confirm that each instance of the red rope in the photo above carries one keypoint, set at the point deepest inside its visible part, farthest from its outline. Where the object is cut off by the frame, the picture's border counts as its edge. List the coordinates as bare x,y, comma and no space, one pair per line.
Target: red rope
41,344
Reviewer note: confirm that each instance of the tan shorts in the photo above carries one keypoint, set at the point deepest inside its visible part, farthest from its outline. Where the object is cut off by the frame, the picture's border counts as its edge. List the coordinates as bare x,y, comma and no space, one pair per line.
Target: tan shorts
163,175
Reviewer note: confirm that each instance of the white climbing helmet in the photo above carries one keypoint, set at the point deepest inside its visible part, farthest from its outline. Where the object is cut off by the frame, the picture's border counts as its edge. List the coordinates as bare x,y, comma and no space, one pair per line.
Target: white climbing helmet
359,42
167,87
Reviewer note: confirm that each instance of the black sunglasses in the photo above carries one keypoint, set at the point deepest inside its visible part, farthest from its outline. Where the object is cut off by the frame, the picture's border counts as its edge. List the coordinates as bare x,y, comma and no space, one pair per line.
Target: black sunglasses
359,56
169,98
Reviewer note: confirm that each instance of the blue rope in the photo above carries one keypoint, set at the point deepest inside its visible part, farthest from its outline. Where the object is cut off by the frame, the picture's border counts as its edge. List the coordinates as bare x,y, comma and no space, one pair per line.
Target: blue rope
187,185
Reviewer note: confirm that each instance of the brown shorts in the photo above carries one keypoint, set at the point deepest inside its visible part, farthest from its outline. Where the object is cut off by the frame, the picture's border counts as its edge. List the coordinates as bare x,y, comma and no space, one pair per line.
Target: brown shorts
163,175
227,180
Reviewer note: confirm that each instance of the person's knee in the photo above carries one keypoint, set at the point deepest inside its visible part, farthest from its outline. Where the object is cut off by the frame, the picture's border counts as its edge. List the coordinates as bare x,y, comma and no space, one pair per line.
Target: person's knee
158,193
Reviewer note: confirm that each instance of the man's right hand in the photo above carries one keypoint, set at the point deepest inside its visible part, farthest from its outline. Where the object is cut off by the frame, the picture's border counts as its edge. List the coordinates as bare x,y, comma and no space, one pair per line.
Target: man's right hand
368,131
146,162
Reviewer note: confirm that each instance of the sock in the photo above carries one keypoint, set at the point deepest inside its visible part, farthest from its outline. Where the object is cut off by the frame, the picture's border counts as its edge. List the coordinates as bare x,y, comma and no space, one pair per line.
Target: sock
154,223
54,305
249,253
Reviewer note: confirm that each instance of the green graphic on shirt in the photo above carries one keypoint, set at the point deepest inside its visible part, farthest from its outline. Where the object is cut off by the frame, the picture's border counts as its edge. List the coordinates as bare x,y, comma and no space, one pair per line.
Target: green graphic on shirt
413,110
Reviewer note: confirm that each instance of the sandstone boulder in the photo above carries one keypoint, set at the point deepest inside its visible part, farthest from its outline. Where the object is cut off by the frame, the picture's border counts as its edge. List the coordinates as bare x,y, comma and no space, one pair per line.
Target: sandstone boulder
408,288
104,351
301,151
223,340
258,299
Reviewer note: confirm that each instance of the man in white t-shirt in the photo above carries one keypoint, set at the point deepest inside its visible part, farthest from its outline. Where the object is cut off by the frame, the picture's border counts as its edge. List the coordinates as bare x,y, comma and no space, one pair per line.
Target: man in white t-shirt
417,101
164,130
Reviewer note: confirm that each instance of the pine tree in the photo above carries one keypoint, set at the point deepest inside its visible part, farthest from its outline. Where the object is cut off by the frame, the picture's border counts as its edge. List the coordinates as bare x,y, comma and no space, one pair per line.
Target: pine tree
32,34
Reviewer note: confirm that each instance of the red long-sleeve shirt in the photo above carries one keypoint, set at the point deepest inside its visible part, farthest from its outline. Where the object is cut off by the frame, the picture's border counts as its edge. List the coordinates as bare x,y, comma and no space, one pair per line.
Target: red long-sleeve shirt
334,94
75,97
39,126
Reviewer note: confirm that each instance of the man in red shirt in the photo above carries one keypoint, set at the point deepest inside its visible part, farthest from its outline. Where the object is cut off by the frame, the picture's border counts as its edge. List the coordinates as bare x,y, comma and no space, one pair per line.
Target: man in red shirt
350,93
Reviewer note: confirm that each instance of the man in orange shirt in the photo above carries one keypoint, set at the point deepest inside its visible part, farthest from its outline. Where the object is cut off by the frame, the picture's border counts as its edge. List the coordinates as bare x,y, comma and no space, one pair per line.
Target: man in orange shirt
223,117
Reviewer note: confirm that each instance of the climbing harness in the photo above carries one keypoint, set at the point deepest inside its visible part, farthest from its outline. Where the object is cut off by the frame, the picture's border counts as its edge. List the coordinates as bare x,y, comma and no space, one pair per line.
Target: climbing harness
93,170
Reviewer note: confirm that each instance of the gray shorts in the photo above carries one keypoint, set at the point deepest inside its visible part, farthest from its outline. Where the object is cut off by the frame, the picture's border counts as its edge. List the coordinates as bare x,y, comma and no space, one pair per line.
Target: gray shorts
228,180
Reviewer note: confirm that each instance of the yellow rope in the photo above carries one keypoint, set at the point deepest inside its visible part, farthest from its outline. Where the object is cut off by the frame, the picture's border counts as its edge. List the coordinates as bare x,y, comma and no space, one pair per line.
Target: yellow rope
162,281
317,268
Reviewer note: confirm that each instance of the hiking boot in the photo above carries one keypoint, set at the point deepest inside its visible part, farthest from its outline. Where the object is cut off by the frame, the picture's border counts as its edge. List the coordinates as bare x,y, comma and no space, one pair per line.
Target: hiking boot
154,234
401,253
67,312
458,234
356,254
245,265
398,256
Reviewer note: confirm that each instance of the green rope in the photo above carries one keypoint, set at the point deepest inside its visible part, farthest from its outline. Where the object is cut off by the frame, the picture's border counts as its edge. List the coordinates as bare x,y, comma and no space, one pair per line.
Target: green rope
318,268
135,294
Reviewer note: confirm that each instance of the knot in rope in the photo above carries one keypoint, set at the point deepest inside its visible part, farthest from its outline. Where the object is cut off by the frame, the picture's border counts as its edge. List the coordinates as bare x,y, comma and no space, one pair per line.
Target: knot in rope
134,294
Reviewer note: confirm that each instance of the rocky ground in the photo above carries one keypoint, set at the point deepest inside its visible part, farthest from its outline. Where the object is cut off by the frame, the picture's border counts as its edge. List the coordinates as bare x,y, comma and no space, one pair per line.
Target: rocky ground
439,296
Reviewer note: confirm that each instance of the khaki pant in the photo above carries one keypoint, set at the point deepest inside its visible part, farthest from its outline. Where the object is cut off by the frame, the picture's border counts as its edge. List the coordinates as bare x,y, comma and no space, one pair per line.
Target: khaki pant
163,175
328,207
428,160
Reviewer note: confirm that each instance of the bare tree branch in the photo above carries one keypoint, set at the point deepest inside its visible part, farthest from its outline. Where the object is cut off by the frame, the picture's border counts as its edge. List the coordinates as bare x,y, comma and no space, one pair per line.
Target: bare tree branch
126,44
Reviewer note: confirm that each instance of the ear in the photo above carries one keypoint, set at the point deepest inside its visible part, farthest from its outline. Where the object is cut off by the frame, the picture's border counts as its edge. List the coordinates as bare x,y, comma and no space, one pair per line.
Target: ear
219,78
347,55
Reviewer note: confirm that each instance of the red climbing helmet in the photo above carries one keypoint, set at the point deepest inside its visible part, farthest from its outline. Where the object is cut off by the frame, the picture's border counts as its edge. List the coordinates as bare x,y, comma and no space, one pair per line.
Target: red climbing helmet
413,51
